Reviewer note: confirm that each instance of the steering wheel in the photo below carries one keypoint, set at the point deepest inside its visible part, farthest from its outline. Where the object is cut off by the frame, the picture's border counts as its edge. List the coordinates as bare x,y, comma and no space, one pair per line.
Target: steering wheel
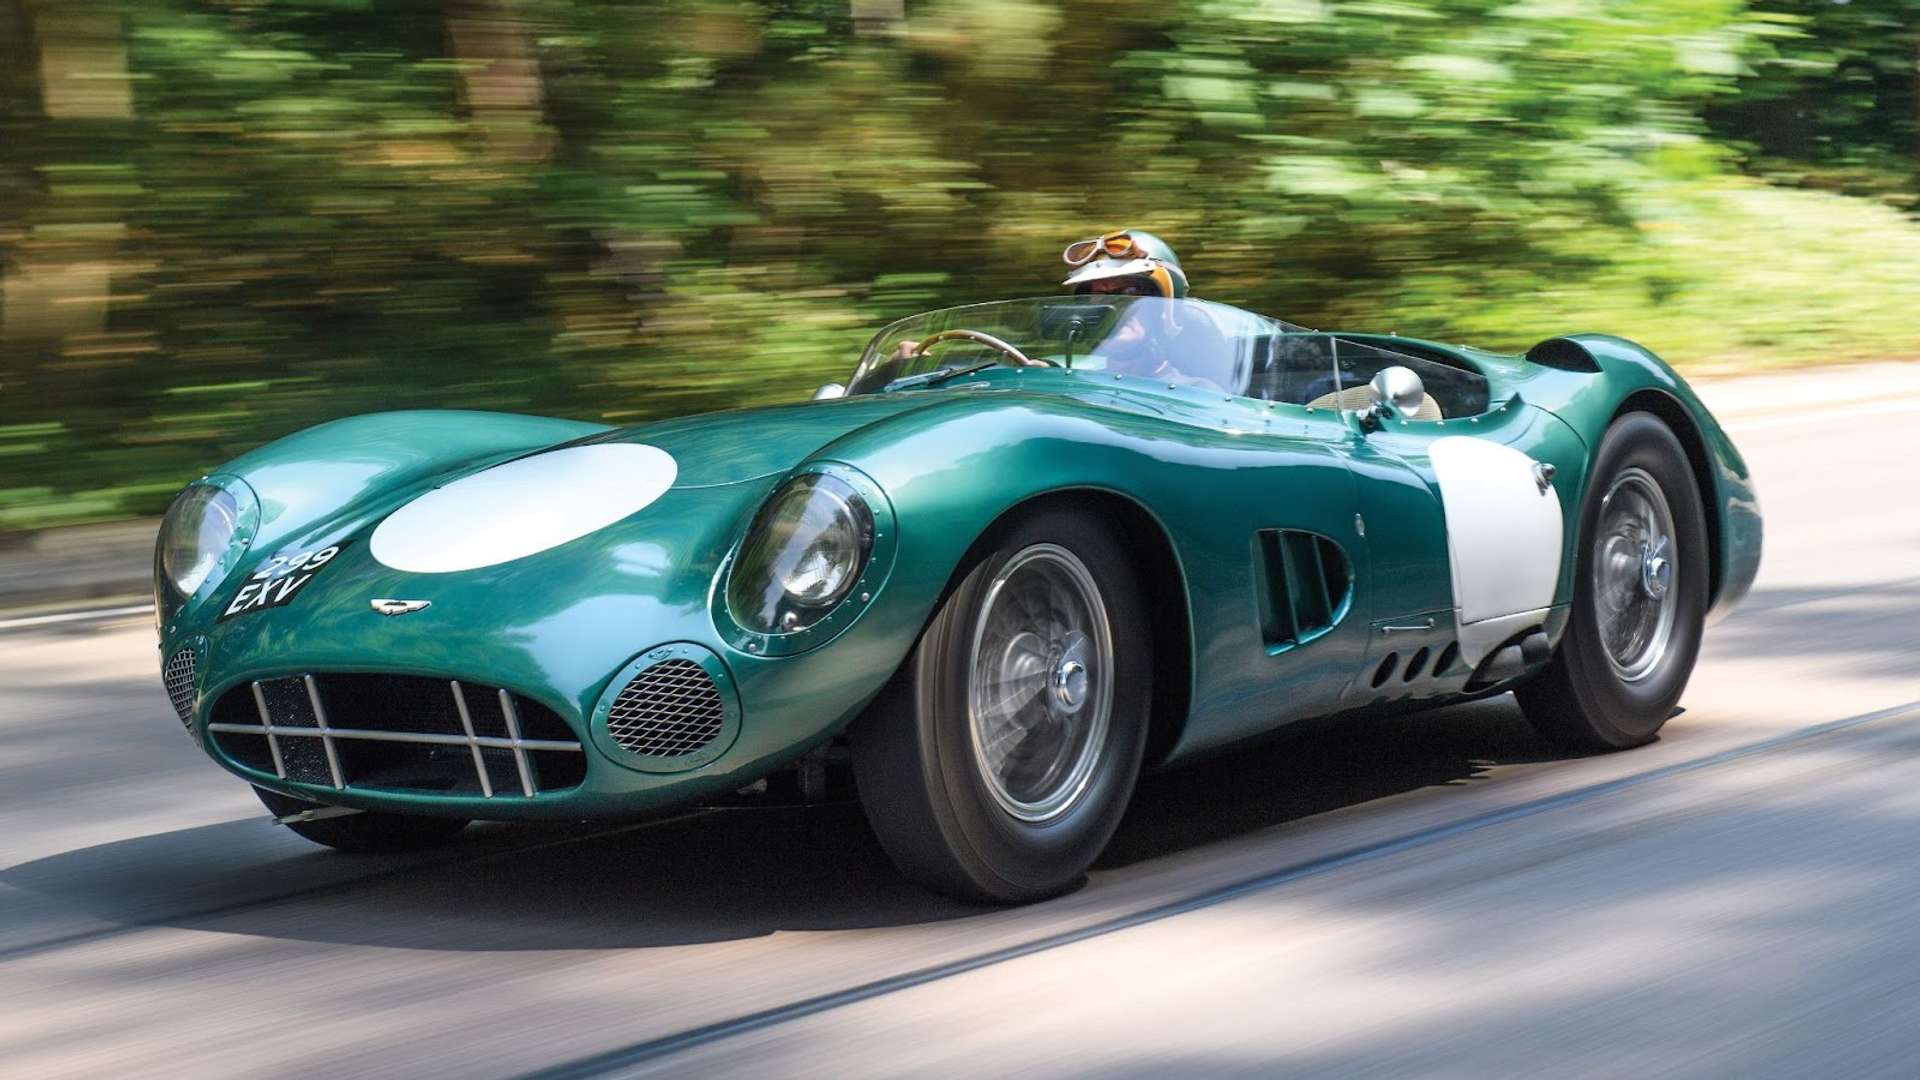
1011,352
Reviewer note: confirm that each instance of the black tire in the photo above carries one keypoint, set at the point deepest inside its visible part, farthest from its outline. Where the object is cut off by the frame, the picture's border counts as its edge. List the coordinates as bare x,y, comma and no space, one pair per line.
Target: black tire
1581,702
914,761
367,833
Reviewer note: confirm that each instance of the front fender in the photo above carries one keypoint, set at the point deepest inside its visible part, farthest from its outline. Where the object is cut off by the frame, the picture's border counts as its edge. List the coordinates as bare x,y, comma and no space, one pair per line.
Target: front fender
953,469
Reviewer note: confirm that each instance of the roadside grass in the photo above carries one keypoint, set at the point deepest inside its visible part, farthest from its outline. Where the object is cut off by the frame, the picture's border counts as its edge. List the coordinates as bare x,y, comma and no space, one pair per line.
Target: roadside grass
1735,274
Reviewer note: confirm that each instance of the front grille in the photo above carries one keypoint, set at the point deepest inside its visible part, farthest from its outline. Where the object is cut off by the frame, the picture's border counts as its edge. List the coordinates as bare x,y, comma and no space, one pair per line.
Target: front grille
177,674
670,709
398,733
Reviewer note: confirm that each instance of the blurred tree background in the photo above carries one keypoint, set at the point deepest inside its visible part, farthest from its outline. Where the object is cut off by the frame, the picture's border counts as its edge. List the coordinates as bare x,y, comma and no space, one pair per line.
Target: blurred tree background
221,220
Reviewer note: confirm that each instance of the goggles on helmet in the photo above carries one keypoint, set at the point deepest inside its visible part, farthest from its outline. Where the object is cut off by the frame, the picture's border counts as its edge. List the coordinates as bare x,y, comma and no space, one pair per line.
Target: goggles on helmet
1119,245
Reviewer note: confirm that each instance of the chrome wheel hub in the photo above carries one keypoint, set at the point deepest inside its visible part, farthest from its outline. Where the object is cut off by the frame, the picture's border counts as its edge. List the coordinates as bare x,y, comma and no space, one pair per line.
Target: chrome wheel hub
1040,685
1656,573
1633,575
1069,686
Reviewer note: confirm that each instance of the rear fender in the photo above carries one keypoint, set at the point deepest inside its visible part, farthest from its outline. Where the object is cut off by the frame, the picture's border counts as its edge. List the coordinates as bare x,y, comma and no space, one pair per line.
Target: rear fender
1631,378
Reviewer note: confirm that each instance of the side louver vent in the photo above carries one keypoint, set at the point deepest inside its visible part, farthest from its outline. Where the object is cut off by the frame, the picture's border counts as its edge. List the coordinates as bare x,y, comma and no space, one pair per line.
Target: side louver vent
1303,584
669,710
177,674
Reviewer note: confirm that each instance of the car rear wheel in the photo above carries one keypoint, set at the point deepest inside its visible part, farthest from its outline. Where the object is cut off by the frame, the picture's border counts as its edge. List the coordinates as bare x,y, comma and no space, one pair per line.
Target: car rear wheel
997,763
363,833
1640,597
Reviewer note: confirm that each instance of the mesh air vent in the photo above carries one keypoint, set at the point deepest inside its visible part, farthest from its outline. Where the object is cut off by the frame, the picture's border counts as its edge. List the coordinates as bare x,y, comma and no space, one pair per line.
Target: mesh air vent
177,674
670,709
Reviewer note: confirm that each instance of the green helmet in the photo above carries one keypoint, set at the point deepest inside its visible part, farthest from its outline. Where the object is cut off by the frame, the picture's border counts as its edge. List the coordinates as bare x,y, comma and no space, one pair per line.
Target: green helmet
1126,254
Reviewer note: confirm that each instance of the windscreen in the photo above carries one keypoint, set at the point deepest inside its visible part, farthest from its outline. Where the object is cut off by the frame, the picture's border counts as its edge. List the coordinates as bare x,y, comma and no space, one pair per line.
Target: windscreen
1192,343
1184,342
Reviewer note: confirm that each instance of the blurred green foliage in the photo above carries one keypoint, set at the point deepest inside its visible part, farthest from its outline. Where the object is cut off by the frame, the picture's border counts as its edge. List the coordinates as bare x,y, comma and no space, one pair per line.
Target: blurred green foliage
1830,91
223,220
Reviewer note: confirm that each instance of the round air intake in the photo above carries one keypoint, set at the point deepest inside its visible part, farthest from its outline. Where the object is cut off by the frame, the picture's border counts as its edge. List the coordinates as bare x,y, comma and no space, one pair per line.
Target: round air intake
669,710
177,674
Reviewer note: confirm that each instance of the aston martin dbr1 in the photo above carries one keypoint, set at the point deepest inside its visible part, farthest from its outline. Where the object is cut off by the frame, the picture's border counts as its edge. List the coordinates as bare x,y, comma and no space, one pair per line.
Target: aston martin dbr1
1029,549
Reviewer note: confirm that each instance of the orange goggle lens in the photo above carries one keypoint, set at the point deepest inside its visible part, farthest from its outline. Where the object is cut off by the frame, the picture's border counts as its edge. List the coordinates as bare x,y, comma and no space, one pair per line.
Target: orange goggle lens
1115,245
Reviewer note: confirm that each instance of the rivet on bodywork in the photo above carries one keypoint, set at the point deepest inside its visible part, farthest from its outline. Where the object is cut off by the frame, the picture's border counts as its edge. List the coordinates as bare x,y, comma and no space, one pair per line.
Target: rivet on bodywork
864,597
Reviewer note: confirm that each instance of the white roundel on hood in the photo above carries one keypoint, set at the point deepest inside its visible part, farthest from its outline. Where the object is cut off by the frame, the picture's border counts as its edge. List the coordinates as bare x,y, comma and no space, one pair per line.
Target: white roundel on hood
522,507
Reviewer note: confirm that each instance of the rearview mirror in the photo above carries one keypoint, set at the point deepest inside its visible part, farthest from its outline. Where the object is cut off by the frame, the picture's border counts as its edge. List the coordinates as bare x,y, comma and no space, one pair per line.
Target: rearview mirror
1397,392
831,390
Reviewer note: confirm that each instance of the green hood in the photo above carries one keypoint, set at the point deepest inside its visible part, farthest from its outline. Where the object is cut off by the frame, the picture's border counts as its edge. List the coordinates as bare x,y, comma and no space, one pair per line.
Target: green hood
650,570
730,447
369,465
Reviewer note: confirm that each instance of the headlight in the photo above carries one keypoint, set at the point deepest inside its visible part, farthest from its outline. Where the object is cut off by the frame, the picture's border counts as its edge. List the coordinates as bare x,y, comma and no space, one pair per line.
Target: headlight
194,537
801,557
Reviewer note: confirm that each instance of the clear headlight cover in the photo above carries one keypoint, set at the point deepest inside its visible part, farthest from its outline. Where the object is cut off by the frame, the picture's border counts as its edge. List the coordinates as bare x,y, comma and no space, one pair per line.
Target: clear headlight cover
196,532
802,556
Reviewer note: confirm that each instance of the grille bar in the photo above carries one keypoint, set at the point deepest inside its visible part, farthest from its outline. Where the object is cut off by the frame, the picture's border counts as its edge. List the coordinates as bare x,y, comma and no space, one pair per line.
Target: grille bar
266,724
519,751
423,737
326,735
473,743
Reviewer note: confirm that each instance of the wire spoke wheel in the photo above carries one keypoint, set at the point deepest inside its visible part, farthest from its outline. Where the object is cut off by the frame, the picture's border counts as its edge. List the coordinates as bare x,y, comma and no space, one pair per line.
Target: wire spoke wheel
1633,575
1640,599
997,763
1040,686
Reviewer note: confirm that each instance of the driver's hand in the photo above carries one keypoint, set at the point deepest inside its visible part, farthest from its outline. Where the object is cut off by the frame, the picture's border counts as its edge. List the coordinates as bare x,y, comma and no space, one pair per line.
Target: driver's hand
904,350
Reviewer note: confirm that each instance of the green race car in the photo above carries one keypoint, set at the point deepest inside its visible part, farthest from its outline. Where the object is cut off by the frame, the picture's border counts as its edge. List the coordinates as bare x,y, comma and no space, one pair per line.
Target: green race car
1029,549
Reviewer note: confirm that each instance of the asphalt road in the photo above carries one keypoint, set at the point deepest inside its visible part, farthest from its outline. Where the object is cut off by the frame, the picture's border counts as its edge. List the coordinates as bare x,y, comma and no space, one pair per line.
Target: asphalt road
1435,894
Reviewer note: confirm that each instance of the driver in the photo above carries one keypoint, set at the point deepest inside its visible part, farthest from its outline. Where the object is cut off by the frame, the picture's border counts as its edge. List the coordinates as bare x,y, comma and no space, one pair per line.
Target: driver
1129,263
1136,263
1133,262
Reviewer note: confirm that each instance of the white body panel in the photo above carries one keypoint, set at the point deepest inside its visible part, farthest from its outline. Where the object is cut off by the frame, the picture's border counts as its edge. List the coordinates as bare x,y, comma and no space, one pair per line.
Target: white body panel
522,507
1503,539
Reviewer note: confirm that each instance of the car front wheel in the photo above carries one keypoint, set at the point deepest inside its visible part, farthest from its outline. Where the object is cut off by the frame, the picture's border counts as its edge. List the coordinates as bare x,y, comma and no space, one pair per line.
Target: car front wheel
998,762
1639,601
